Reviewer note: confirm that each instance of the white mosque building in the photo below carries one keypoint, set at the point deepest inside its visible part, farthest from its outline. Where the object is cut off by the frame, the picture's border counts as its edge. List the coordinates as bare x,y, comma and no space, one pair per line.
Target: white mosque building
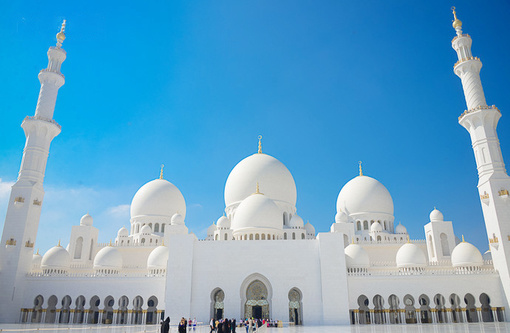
366,270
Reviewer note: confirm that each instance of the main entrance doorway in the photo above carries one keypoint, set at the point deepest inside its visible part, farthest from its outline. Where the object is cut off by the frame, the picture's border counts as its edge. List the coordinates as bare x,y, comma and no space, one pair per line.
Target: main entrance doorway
257,305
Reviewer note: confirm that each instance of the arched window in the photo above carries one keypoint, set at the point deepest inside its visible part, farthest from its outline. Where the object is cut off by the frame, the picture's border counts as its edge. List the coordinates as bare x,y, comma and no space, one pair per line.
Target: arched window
302,236
284,235
358,224
163,227
78,248
156,227
431,246
225,237
257,237
251,236
444,245
91,248
263,236
365,225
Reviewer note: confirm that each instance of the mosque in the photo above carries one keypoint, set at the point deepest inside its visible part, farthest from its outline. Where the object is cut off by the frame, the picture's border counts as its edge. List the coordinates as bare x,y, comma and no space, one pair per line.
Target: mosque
366,270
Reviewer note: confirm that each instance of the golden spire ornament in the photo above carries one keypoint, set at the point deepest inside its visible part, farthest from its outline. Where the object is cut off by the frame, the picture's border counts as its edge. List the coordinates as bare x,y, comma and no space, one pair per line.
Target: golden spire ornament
457,24
61,36
260,144
161,172
360,169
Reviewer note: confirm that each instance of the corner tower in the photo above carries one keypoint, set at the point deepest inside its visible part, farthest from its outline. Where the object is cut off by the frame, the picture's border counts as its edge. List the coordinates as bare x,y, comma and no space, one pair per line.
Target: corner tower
481,120
24,208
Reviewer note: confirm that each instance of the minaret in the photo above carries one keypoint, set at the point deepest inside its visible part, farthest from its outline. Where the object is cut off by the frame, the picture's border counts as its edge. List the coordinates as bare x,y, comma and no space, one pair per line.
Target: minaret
493,184
24,209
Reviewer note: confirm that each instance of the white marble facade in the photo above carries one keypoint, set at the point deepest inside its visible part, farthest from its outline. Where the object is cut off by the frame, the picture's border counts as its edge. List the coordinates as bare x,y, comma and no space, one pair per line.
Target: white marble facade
365,270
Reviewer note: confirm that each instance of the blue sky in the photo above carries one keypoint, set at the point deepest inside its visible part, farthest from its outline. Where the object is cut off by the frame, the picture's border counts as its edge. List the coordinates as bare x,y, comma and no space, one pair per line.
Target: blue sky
191,84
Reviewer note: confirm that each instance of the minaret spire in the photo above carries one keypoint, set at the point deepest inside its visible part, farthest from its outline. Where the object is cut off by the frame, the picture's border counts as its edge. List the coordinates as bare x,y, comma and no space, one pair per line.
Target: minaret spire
24,209
481,120
360,169
260,144
457,24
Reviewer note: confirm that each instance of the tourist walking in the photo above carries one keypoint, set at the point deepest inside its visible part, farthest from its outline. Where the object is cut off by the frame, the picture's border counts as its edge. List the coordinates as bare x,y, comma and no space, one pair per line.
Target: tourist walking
165,325
182,325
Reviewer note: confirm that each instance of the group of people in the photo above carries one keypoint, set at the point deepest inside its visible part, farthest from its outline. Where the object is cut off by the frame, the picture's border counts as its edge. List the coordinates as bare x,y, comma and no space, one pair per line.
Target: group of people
223,325
184,325
219,325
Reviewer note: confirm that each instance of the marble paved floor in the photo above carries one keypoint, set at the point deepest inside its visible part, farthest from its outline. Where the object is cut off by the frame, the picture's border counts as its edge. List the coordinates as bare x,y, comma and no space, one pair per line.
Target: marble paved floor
430,328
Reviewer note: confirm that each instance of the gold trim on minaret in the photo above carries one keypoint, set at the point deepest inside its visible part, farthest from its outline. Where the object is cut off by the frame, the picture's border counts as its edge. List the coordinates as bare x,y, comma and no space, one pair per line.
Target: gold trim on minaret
360,169
260,144
257,190
463,241
161,172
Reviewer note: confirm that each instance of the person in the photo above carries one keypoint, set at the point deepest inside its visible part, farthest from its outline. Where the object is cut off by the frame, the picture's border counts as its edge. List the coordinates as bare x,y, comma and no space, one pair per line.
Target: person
233,325
182,325
165,325
194,323
211,325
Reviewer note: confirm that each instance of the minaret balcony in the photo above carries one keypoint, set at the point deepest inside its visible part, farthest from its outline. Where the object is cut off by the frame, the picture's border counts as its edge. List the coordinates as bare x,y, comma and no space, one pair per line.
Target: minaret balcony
43,119
463,35
465,59
478,108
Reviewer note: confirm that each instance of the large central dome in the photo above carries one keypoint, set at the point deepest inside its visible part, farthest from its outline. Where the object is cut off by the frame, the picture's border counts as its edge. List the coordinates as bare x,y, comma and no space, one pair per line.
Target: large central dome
158,198
364,195
274,179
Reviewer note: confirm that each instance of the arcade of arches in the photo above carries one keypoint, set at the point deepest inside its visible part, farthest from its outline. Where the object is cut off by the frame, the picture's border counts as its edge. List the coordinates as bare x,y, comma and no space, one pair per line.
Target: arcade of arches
93,311
426,310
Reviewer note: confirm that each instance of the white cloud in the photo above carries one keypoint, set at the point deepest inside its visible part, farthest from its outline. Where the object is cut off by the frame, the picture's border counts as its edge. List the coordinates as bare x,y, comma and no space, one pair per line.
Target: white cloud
119,211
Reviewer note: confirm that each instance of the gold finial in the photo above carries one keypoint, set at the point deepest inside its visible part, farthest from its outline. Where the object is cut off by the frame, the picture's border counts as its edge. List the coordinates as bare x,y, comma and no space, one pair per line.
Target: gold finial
457,24
163,242
408,239
463,241
59,243
260,144
37,251
61,36
161,172
110,243
360,169
257,191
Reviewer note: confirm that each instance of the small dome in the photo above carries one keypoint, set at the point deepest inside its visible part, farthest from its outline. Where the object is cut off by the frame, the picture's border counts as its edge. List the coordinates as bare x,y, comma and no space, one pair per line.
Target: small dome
56,258
376,227
466,254
400,229
36,260
177,219
364,195
123,232
356,257
309,228
341,217
436,216
211,230
158,198
223,223
108,257
296,222
146,230
275,180
487,255
158,258
86,220
257,211
410,255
